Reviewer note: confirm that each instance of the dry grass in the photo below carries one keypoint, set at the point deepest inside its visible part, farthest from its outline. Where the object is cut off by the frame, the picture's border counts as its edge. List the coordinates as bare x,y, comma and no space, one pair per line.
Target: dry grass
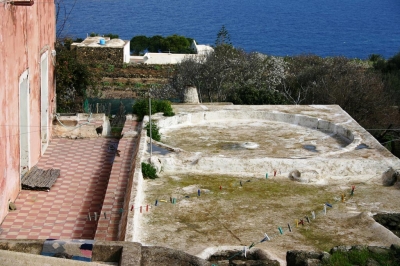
239,215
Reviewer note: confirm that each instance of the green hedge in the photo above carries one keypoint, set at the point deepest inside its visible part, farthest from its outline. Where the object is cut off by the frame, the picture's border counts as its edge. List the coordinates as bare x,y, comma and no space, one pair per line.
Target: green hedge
155,134
141,108
149,171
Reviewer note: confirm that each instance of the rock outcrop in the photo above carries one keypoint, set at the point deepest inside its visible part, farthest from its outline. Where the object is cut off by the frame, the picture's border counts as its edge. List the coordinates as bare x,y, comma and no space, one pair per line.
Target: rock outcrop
312,258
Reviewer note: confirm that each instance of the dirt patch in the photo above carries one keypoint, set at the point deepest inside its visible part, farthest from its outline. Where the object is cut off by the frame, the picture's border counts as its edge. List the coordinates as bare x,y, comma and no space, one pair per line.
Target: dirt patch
229,214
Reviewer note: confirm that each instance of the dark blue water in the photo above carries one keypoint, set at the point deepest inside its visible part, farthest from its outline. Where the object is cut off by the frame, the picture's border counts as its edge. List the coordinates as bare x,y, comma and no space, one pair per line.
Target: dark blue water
352,28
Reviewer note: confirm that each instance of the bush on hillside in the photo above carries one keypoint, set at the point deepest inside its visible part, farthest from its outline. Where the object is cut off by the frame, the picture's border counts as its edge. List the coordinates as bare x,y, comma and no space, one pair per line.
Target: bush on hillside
155,134
141,108
149,171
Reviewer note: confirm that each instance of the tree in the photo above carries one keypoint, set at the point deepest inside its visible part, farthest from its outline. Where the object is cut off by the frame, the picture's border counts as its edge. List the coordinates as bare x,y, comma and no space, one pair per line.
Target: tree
156,44
72,78
139,44
62,16
177,44
230,74
223,37
390,70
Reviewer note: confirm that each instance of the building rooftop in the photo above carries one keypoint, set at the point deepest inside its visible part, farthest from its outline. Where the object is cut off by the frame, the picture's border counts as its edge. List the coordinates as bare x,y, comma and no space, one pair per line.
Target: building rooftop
96,42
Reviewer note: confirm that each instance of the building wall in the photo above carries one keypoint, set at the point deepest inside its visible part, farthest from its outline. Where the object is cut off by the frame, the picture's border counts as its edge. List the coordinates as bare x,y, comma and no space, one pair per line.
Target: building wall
100,55
26,33
127,52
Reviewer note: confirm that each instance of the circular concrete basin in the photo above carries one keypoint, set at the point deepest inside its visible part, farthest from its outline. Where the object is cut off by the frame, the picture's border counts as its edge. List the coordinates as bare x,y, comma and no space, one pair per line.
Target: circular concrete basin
253,138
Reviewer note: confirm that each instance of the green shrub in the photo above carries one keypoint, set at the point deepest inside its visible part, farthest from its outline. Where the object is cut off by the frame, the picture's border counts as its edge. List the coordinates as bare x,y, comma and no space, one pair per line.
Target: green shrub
141,108
110,68
155,134
165,106
149,171
359,257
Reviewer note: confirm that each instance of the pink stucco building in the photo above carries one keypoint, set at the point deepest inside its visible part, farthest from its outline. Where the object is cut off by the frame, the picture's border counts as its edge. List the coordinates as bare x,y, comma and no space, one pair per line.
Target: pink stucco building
27,90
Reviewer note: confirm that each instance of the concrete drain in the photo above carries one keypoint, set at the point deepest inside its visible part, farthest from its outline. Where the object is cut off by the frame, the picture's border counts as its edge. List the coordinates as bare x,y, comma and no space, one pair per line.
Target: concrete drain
250,145
310,148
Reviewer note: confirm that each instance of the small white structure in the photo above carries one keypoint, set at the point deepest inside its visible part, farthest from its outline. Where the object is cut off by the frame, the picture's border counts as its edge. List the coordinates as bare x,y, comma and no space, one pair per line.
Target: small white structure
168,58
201,49
96,48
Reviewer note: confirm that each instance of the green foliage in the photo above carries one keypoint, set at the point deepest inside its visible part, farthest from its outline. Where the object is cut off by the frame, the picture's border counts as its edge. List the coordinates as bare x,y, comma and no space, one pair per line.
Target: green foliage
155,133
390,70
230,74
111,35
141,108
254,96
73,78
223,37
174,44
165,107
360,257
149,171
110,68
139,44
138,85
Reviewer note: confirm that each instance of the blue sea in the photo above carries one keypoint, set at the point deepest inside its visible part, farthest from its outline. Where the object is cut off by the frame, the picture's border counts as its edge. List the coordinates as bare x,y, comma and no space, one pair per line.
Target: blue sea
351,28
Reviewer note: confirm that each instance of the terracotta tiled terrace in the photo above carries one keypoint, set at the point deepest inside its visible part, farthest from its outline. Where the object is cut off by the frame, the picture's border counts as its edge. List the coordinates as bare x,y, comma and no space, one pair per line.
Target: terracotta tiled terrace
91,171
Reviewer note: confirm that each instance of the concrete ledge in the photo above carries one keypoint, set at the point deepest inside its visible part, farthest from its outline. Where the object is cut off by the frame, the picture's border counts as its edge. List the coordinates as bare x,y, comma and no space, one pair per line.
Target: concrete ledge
27,252
136,191
80,125
10,258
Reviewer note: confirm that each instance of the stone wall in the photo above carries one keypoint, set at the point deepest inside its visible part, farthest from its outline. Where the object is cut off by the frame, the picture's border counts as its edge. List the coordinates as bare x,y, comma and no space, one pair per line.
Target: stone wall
302,258
389,220
104,252
100,55
136,194
131,186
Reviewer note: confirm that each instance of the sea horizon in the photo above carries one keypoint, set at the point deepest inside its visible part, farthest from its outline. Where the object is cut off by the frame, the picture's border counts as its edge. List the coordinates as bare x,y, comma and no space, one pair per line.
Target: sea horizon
350,28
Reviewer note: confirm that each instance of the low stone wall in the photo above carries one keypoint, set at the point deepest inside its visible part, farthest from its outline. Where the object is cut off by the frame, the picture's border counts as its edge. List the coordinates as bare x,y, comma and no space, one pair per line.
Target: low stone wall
362,158
101,55
301,257
136,191
294,119
131,187
81,126
114,252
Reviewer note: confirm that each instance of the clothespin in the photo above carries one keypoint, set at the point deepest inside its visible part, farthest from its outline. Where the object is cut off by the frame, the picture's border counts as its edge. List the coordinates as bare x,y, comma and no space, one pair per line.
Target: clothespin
244,251
252,245
266,238
280,230
297,223
352,190
156,203
313,215
329,205
343,198
290,228
308,220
